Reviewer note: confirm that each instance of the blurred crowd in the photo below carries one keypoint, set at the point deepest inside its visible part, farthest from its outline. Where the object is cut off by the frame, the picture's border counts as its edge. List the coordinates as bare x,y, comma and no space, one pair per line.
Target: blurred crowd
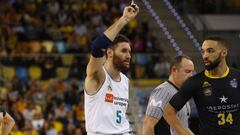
44,49
53,108
39,32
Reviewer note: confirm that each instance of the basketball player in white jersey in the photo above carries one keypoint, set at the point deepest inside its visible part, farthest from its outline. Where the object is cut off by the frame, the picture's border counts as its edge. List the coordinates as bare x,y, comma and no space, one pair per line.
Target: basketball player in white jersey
181,69
6,123
106,87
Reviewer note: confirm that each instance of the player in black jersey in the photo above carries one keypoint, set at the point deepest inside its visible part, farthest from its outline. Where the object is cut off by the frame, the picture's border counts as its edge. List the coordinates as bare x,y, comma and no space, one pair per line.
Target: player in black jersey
216,92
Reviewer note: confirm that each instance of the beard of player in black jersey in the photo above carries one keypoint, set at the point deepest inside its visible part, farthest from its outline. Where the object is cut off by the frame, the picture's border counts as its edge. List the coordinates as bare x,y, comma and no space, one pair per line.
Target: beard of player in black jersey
213,64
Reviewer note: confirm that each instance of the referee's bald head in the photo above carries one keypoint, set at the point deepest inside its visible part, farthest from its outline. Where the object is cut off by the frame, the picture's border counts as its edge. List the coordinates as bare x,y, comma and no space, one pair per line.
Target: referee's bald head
176,61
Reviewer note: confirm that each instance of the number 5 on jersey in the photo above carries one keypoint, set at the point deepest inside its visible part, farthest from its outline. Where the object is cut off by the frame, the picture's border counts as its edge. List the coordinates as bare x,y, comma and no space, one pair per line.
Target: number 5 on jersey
119,116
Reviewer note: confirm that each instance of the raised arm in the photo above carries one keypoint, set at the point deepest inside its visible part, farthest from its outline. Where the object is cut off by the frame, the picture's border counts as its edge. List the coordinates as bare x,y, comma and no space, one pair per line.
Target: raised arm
95,73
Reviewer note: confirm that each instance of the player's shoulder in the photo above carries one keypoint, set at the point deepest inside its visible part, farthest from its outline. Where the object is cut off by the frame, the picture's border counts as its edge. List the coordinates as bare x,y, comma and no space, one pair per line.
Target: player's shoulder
234,71
123,76
195,80
160,89
197,76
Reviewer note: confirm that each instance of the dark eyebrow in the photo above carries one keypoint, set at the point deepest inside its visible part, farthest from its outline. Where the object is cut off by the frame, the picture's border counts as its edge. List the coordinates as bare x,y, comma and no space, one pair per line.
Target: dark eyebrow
207,48
210,48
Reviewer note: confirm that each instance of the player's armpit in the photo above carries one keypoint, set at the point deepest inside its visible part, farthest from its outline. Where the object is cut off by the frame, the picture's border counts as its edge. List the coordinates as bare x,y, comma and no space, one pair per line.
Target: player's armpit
93,83
148,125
94,66
95,75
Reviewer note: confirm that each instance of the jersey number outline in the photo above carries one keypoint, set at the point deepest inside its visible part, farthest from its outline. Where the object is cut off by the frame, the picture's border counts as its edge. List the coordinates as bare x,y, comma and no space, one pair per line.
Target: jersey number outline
119,116
224,119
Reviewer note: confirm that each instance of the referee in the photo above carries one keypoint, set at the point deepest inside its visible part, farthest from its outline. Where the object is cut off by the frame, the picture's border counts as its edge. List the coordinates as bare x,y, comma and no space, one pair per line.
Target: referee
181,69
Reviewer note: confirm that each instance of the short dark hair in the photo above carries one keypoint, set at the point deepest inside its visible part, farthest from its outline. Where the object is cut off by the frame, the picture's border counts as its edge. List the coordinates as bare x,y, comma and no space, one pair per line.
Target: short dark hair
119,38
218,39
176,61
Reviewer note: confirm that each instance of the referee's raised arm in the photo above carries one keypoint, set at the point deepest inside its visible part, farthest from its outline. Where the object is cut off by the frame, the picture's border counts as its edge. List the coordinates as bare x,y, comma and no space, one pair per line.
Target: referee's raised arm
95,73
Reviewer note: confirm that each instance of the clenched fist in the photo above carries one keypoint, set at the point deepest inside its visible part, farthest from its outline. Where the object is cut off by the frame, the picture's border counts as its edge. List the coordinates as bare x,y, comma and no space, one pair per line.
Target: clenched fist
130,12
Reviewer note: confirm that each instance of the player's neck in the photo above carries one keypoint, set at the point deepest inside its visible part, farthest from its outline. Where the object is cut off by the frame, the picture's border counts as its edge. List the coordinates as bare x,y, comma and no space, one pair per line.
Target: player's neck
220,70
112,71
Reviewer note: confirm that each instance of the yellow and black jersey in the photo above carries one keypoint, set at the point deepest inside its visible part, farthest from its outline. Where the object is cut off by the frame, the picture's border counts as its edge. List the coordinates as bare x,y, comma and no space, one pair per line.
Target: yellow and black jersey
217,100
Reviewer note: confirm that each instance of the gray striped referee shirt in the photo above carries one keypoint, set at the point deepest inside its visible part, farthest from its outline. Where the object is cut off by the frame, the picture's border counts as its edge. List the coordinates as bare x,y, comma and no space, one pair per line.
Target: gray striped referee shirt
160,96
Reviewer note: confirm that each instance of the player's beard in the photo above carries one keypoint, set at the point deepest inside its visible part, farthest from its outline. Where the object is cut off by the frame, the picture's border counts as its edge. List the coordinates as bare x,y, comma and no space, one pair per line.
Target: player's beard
119,63
213,64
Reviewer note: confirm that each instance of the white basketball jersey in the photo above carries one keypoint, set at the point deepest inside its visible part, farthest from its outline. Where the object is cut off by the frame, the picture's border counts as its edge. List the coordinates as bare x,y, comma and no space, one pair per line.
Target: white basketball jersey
105,111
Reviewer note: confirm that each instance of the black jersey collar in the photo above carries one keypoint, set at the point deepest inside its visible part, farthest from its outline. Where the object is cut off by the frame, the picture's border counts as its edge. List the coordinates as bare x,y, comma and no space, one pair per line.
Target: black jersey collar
173,85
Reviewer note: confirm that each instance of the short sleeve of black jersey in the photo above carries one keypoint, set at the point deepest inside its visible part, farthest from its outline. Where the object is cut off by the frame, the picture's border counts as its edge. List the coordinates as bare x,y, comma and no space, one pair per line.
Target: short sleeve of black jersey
183,95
